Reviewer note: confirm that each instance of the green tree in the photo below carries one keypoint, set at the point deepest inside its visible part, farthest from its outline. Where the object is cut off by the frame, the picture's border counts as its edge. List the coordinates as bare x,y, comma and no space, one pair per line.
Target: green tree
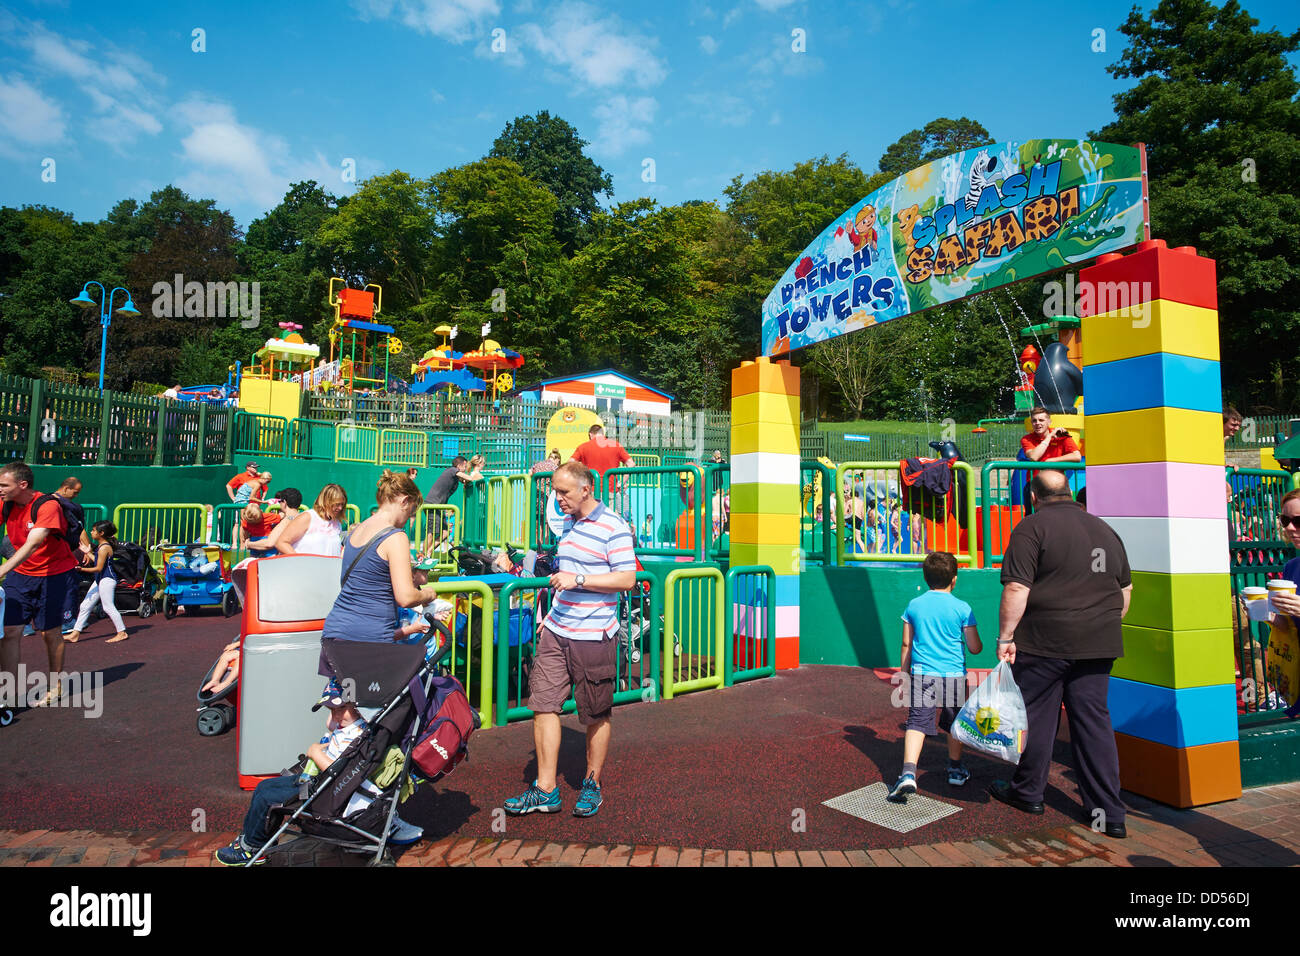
1215,104
938,138
648,298
550,152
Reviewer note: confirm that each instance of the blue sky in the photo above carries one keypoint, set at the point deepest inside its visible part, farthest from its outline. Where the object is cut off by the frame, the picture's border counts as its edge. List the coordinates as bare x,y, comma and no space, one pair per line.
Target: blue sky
115,95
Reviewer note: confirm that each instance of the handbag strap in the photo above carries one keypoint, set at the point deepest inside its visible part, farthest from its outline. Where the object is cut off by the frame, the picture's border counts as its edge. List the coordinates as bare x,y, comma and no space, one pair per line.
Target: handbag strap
369,544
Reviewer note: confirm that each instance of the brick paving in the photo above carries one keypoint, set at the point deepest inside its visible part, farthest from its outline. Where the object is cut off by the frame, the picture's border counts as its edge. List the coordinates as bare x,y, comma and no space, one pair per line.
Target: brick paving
1260,829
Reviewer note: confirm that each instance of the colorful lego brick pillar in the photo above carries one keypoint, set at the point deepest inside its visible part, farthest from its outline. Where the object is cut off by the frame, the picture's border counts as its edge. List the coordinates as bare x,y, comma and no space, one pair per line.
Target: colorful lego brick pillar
1155,474
765,486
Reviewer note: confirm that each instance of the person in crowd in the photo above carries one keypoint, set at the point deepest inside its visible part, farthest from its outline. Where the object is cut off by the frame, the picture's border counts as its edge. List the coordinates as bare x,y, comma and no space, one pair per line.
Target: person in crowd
248,474
37,577
253,492
255,527
1045,443
317,531
600,454
103,585
549,463
577,646
462,471
413,473
1288,604
376,575
938,629
67,493
1059,626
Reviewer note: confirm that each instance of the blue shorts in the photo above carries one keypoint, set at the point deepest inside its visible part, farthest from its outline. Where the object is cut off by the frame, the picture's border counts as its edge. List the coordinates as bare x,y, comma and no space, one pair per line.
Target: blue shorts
933,702
39,601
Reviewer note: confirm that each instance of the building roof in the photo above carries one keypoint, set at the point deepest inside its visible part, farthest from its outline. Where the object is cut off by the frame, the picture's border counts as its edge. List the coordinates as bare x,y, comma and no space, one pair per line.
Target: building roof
587,375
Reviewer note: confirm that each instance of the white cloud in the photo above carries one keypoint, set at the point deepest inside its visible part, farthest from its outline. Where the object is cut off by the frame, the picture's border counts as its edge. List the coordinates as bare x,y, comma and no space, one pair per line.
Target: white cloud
235,163
456,21
732,16
27,116
770,5
780,57
708,45
598,52
436,96
119,84
622,124
722,109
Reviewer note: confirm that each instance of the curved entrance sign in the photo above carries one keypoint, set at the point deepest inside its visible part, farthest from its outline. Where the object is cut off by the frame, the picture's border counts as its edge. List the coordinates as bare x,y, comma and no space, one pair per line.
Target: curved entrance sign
958,226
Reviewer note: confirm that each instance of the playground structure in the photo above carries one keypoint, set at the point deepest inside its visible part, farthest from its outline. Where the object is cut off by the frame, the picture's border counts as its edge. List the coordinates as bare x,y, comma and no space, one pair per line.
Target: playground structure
272,383
497,365
442,367
358,344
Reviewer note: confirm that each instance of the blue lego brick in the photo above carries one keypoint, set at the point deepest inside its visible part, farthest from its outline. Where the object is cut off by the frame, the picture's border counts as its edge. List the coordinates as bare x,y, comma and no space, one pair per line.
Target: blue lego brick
1159,380
1187,717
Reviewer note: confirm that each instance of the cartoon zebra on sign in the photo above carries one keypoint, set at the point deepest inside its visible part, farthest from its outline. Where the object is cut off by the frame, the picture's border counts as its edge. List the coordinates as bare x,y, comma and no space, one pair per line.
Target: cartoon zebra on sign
981,177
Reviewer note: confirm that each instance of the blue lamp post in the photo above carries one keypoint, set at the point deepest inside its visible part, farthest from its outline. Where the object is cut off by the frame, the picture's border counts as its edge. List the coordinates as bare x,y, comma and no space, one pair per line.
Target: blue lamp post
105,304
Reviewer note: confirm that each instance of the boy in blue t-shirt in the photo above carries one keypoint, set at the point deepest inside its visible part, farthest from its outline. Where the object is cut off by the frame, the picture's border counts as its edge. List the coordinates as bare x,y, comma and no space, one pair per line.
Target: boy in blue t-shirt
937,630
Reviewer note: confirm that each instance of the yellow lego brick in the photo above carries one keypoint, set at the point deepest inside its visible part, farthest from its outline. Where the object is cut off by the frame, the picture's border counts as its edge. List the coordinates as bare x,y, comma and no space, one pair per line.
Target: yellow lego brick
780,558
1155,434
1155,326
764,375
764,407
770,437
760,529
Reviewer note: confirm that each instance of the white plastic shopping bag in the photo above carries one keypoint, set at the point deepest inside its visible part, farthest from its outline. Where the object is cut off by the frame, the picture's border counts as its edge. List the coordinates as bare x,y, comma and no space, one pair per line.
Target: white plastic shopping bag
993,719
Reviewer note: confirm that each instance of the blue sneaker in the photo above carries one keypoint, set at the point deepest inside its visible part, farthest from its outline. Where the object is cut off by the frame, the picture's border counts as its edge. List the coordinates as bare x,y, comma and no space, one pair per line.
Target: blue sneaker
236,855
958,775
534,800
589,800
906,784
28,631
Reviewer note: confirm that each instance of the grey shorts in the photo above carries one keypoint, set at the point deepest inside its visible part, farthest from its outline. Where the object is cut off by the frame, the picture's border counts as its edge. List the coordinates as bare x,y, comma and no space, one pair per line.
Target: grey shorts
586,667
934,702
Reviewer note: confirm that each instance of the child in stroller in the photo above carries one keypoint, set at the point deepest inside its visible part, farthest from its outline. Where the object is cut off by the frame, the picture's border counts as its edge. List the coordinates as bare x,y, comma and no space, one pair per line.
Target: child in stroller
365,766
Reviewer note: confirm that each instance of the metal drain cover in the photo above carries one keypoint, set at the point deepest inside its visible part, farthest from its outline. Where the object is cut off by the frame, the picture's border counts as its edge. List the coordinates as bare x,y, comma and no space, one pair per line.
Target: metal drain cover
870,804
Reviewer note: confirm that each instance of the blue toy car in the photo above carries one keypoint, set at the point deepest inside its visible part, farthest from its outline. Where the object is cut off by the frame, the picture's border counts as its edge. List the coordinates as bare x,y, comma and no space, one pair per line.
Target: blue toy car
194,578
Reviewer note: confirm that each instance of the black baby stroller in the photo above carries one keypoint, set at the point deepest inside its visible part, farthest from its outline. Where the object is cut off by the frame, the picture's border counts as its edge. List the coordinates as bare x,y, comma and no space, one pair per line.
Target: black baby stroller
137,586
405,718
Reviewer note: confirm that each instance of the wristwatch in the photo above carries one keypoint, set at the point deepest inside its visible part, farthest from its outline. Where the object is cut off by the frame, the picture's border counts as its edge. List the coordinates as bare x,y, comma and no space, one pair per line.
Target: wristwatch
579,580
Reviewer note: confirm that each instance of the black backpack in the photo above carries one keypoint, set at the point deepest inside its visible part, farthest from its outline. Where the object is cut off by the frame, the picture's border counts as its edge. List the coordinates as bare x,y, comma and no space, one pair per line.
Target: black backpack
72,536
130,562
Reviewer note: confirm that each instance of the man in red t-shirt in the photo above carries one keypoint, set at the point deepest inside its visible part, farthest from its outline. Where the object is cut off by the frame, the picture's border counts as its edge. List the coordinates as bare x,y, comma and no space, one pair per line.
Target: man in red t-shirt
1045,443
599,453
36,579
248,474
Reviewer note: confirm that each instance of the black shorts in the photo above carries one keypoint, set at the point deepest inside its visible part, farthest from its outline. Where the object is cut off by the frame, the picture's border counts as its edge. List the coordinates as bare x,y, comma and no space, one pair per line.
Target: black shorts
39,601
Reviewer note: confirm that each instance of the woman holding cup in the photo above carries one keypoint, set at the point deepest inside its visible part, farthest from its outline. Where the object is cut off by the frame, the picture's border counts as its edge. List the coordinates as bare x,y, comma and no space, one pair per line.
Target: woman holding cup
1282,597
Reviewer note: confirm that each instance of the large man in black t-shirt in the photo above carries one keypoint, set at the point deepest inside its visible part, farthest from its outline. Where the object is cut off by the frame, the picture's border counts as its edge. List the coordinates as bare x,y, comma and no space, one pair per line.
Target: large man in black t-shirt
1066,588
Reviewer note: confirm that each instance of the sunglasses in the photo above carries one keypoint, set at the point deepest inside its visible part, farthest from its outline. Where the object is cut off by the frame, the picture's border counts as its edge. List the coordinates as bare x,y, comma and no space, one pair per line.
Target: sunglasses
1287,521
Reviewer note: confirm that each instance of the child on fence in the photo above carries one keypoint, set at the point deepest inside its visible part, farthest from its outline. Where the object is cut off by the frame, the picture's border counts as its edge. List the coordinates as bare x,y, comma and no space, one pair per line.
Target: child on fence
256,526
102,586
937,630
253,492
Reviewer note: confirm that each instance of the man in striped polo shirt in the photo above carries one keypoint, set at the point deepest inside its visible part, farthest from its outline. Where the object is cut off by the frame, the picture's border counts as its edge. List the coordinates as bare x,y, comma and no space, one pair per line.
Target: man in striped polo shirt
577,647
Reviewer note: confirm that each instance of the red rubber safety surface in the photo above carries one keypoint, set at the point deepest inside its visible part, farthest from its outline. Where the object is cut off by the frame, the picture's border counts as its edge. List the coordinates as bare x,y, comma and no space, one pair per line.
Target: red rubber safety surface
745,767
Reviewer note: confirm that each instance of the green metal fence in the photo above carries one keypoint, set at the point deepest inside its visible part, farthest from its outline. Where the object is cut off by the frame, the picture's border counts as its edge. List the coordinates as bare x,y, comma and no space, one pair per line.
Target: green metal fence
1004,499
884,520
152,525
750,608
694,630
473,621
257,434
662,505
816,515
311,439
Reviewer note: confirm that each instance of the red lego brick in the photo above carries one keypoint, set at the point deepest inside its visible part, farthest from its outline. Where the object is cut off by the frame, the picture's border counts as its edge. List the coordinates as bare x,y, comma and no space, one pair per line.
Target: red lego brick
1151,272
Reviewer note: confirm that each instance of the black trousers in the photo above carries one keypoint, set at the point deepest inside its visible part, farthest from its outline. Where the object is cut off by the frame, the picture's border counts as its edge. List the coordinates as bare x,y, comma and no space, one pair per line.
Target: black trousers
1044,682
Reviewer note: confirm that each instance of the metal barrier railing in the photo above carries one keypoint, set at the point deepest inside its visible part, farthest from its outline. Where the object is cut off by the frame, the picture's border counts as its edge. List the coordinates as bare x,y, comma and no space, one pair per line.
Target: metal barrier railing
150,524
694,630
403,448
474,514
356,443
750,612
311,439
257,434
1253,565
1256,502
521,608
887,520
94,513
437,531
1001,489
540,534
473,625
646,496
225,521
717,484
816,515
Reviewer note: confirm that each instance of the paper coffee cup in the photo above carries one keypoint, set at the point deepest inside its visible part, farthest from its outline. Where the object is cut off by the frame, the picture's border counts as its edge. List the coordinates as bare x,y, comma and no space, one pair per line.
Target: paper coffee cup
1280,586
1257,605
1254,594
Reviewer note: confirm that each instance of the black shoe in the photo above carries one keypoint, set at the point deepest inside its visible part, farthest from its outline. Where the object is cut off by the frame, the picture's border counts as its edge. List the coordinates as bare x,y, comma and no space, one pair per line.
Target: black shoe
1116,831
1001,791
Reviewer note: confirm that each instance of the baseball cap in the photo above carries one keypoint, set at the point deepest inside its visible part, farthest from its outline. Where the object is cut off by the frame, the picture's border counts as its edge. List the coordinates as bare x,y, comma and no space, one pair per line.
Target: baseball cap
332,696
